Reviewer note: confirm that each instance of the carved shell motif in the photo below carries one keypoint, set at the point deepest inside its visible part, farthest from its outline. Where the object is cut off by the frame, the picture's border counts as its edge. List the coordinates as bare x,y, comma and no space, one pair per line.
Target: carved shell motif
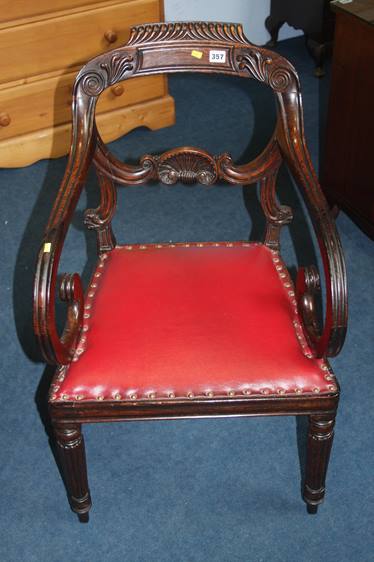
187,166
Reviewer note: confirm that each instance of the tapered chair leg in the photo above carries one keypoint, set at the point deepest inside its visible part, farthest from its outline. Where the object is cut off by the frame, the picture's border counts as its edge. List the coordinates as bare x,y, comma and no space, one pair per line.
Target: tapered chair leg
71,451
320,436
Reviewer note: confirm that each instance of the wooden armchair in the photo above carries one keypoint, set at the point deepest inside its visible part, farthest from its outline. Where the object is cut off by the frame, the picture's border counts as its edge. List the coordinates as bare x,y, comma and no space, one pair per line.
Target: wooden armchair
184,330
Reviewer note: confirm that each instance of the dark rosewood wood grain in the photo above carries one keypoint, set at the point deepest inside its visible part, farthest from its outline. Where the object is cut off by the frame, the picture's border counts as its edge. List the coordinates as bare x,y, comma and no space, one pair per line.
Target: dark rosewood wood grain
347,173
158,48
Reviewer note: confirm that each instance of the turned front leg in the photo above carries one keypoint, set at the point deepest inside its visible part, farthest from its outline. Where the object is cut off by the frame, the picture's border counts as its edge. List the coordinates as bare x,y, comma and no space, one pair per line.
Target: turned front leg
320,436
71,451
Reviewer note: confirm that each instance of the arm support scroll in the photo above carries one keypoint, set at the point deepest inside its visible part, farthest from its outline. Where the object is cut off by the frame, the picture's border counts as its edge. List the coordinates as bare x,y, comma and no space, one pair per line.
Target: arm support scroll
290,134
55,349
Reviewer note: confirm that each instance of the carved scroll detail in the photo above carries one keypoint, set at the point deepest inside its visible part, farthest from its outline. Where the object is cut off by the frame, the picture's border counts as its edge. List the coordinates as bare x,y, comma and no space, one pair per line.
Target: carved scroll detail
117,67
307,286
276,215
266,69
184,31
94,80
255,63
100,219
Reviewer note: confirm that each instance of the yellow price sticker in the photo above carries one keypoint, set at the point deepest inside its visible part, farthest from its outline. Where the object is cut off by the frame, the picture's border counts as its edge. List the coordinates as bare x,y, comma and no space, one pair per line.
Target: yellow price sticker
197,54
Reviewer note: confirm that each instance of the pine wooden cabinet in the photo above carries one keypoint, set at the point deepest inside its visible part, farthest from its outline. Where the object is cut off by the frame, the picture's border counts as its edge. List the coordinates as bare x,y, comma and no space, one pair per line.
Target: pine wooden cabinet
43,44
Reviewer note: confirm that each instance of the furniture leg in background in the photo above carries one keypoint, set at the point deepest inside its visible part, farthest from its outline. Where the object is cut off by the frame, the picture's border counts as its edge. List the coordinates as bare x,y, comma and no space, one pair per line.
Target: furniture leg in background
313,17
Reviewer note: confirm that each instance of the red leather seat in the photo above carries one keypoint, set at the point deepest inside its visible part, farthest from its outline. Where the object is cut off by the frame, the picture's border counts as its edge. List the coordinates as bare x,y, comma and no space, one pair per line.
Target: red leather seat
191,320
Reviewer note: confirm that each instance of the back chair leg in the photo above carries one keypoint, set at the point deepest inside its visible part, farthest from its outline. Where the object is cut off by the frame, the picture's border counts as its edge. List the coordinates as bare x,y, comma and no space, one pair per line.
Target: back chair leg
320,436
71,451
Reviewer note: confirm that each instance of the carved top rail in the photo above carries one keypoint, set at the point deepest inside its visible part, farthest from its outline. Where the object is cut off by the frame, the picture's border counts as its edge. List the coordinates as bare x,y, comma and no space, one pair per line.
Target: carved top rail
184,47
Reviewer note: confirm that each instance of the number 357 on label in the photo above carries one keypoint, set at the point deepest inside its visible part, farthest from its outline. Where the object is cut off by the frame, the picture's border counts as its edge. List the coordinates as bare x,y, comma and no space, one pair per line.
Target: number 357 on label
217,56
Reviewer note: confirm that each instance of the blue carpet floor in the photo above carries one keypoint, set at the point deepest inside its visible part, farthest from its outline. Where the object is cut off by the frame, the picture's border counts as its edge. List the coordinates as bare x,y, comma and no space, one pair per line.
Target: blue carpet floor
191,491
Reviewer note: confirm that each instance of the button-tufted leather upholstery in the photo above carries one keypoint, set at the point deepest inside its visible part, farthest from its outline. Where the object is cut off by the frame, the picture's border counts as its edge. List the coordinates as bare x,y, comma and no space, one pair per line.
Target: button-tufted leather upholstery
191,320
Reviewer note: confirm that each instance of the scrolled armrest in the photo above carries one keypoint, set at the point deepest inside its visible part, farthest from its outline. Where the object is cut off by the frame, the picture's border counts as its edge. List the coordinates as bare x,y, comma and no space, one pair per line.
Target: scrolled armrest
59,350
328,339
55,349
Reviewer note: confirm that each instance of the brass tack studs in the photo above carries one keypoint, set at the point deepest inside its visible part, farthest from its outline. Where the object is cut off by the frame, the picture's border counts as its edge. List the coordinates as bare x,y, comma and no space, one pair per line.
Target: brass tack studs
85,328
229,245
275,260
171,395
94,285
190,395
142,247
316,390
100,397
101,265
79,351
209,394
298,390
97,274
279,267
231,393
287,284
103,256
158,246
79,397
52,397
117,397
87,306
328,377
152,395
265,391
281,391
199,245
246,391
133,396
128,247
332,387
283,275
65,397
86,315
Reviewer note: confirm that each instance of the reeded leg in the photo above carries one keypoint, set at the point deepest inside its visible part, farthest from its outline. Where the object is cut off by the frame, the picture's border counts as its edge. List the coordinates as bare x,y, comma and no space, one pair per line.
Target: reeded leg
72,456
320,436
